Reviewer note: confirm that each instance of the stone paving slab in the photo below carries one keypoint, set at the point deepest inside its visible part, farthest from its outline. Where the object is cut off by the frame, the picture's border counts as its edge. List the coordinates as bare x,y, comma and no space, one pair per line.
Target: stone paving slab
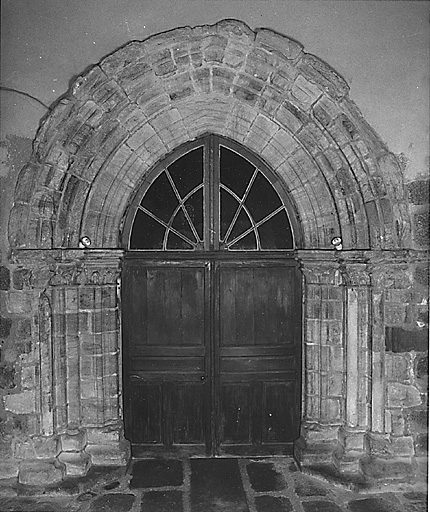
210,485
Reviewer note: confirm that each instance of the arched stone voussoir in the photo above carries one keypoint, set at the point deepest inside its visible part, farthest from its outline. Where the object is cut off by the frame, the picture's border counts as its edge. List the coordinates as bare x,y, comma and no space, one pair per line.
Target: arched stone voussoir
258,88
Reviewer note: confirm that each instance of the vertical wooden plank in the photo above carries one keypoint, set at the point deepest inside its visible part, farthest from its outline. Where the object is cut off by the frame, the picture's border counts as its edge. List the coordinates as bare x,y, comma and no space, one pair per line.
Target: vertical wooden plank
192,307
244,307
227,312
171,328
235,418
257,410
143,413
279,413
263,293
189,413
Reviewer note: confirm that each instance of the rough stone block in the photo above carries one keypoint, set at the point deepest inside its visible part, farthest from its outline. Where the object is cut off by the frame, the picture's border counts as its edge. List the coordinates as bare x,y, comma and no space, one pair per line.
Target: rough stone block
109,454
319,72
37,448
403,446
397,367
272,41
39,473
72,442
398,339
5,326
305,93
75,463
402,395
290,117
23,328
422,275
421,229
105,435
9,468
20,403
418,192
4,278
394,469
19,302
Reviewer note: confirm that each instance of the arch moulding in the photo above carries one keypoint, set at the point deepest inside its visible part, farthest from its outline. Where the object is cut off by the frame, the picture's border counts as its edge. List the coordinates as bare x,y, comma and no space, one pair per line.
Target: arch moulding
96,147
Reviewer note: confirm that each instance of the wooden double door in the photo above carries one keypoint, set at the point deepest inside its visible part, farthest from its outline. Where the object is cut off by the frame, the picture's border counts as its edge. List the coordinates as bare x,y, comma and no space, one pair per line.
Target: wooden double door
212,355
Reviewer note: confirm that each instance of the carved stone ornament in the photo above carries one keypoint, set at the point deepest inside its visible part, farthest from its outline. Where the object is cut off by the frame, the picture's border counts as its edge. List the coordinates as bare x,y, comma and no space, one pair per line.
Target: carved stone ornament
83,274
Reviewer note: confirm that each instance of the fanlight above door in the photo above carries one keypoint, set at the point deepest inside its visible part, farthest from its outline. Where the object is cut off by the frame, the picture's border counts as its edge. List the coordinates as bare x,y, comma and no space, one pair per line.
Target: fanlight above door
212,195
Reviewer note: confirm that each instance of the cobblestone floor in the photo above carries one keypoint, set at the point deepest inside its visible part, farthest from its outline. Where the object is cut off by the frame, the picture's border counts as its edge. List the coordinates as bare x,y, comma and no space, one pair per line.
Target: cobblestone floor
210,485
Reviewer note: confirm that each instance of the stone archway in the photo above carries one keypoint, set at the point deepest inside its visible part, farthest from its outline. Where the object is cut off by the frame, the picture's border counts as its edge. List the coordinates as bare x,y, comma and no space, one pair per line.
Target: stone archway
96,147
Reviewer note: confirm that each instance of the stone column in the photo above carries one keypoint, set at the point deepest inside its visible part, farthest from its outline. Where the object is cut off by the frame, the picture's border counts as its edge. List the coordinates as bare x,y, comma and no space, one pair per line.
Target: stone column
357,360
323,356
87,356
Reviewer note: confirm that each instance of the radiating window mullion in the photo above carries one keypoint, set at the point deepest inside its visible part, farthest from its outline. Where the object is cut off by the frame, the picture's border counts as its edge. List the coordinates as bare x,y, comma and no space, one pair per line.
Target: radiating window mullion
241,204
268,217
246,232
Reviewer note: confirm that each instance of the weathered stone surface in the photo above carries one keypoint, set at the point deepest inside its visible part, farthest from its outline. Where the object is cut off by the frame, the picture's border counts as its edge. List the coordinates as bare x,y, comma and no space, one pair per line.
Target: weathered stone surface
9,468
273,504
39,473
7,376
5,326
109,454
418,192
19,302
320,506
399,339
76,464
37,448
72,442
305,486
264,477
421,229
270,40
4,278
156,473
23,328
402,395
387,469
162,501
20,403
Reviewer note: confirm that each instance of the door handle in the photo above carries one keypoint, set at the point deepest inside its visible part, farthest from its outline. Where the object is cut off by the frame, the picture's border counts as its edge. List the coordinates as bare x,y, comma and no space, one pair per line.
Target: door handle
203,378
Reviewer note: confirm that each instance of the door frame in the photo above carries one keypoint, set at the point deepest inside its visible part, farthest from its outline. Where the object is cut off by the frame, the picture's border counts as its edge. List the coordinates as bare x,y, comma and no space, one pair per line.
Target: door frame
284,258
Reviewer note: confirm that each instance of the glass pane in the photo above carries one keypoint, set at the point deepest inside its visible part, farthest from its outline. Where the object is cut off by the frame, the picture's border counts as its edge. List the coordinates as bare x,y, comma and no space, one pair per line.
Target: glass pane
229,207
276,232
181,224
147,233
194,207
262,198
242,224
248,242
187,171
174,242
160,198
236,172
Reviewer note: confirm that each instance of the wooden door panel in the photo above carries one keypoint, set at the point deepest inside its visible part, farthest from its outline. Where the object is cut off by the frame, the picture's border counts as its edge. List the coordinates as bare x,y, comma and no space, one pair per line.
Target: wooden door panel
143,413
236,414
258,354
189,411
280,406
166,354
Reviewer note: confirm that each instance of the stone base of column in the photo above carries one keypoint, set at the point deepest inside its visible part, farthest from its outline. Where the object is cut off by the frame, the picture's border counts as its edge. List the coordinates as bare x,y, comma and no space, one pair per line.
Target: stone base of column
389,458
350,451
40,473
316,444
75,463
107,446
